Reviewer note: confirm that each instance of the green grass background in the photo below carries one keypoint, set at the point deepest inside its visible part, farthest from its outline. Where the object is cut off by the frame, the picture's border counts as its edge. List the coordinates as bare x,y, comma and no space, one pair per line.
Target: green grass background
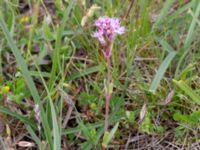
156,63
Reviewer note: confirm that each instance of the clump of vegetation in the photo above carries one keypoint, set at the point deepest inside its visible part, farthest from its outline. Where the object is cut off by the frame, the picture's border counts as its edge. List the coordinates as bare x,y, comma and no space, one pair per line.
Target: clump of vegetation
58,81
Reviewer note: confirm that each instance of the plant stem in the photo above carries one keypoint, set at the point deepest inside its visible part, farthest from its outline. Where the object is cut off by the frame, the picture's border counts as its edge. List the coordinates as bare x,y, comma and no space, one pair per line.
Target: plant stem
108,69
108,93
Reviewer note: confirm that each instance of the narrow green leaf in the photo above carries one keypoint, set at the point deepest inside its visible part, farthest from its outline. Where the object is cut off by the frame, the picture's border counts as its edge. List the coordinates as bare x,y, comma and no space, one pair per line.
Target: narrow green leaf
112,119
33,135
86,71
163,67
56,60
166,46
181,10
190,33
164,11
36,74
196,19
188,40
183,86
109,135
56,131
25,120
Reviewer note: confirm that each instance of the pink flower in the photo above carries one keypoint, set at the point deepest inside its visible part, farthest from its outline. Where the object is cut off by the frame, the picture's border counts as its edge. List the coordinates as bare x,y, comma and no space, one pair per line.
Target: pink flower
107,29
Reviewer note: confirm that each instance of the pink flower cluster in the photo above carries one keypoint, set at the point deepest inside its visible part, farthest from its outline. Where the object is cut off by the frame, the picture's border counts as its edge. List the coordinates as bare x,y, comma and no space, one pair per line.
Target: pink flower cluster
107,29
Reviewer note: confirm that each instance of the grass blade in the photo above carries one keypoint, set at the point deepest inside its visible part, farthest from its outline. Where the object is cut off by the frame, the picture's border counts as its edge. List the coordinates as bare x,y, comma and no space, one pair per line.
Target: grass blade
184,87
56,60
24,69
33,135
56,131
180,11
189,36
166,46
86,71
163,67
189,39
25,120
164,11
109,135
